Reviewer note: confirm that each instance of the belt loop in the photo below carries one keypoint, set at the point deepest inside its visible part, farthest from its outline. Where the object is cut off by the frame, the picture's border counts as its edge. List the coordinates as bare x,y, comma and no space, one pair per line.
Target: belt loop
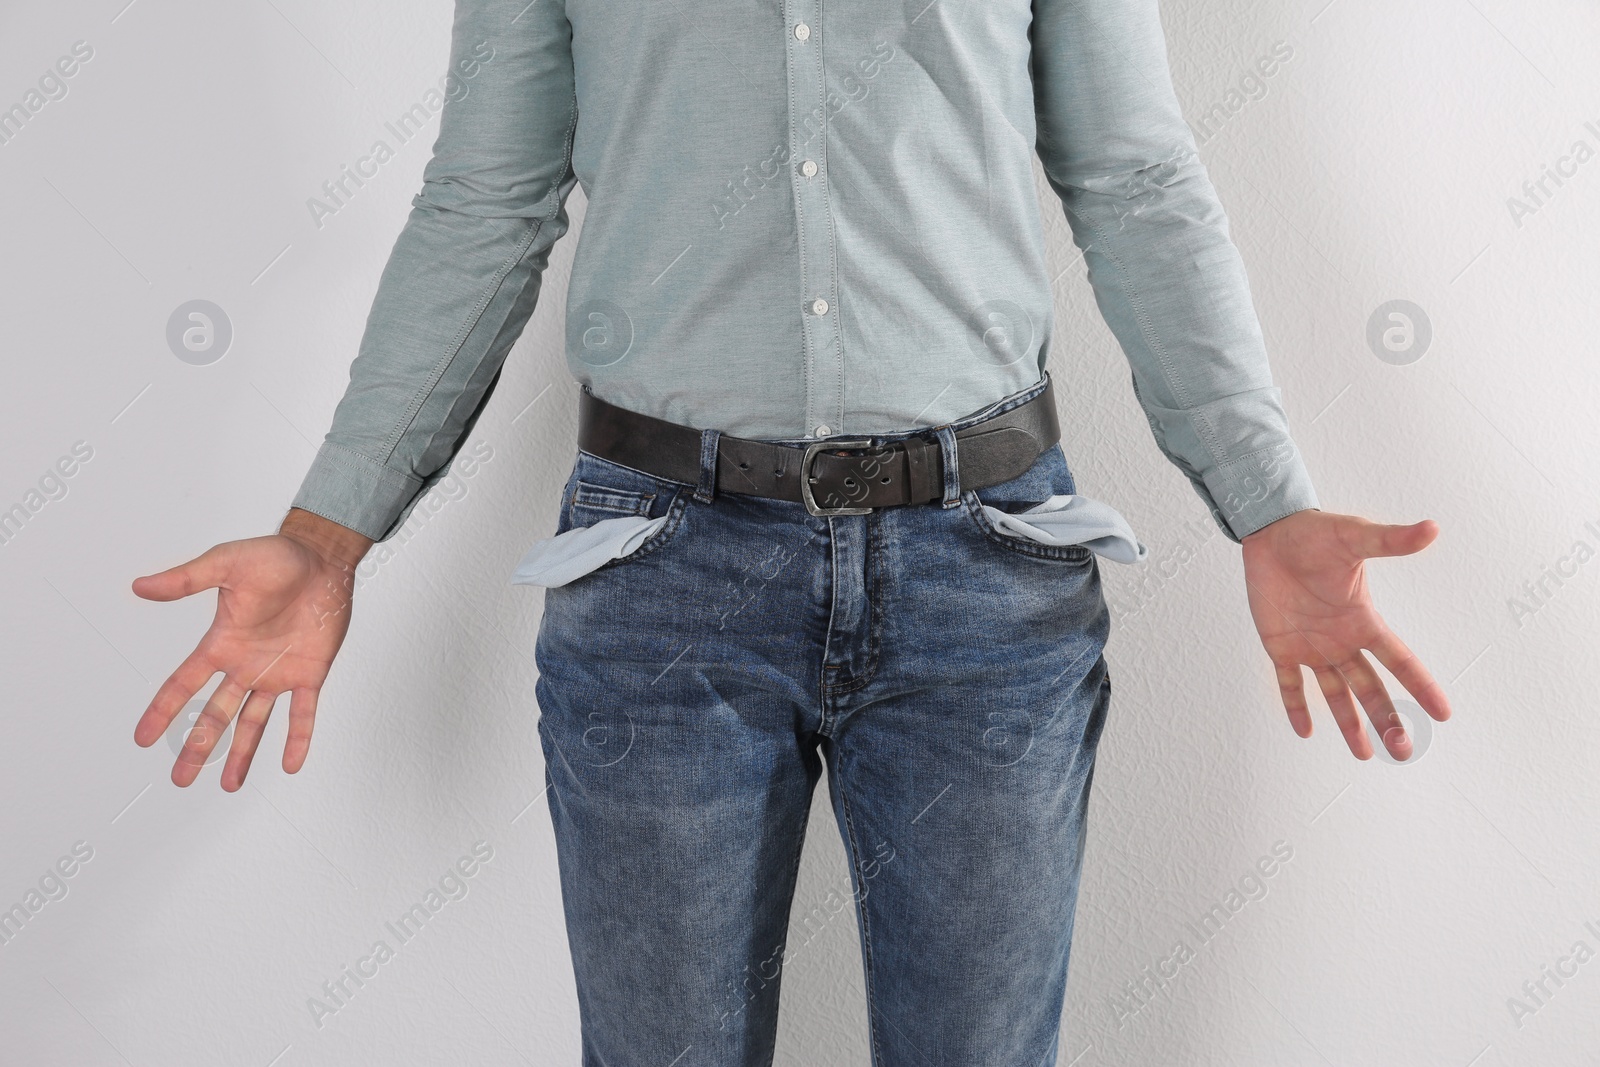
952,472
708,466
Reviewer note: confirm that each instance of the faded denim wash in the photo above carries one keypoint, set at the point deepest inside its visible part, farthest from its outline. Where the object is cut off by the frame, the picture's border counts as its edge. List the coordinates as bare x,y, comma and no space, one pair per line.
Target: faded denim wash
950,678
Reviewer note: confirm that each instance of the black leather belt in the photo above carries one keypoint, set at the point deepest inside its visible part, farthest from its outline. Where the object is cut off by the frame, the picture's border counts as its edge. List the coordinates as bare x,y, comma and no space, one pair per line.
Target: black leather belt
831,476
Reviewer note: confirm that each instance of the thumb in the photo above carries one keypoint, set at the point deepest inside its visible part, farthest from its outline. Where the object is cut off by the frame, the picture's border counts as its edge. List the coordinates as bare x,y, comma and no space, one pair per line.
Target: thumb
205,571
1384,539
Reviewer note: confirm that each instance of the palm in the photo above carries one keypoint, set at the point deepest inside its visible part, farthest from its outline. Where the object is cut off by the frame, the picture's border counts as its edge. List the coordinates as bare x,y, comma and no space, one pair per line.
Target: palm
282,613
273,618
1308,594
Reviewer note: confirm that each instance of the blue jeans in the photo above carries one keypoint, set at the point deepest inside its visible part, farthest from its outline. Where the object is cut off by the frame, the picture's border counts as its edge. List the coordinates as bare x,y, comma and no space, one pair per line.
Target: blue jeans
949,675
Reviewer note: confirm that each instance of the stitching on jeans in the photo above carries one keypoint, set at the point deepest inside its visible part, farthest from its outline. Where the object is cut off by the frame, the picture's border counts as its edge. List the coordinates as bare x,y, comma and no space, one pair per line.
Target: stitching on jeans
1062,553
1077,554
599,497
827,687
676,508
861,912
873,589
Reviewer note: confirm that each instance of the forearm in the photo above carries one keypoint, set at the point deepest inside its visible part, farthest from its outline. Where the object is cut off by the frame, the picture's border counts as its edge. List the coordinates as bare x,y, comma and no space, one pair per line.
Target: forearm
464,274
1168,279
1172,287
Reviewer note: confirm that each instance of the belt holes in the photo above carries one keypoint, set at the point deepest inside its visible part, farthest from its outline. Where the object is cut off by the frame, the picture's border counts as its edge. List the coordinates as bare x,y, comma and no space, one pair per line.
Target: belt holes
744,466
884,479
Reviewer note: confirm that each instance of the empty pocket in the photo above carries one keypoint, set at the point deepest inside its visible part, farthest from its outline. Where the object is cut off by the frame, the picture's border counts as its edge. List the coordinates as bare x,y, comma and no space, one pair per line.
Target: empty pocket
558,560
1064,520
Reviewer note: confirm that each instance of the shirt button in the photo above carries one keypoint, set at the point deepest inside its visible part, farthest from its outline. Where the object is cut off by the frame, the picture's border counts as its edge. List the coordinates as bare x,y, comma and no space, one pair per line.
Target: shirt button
801,31
822,431
819,306
808,168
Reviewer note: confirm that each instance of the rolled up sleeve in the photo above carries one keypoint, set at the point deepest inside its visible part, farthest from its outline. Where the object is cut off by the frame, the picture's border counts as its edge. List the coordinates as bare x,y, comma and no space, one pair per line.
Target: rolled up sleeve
464,274
1166,275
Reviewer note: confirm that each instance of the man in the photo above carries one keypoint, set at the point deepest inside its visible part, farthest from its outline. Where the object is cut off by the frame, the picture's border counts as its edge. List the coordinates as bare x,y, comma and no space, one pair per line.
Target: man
819,510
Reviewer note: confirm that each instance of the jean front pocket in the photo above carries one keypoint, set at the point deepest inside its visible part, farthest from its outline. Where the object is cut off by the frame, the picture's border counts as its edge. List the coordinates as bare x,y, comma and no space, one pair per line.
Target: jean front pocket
987,518
1047,477
1066,521
1040,514
592,502
610,515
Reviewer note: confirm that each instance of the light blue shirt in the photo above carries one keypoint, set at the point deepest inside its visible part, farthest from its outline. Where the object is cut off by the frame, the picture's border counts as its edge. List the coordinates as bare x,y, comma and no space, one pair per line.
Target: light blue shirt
808,220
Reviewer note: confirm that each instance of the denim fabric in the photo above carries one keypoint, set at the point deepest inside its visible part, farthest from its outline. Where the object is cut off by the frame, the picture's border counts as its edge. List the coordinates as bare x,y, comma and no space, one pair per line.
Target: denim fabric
615,527
1061,520
948,675
807,218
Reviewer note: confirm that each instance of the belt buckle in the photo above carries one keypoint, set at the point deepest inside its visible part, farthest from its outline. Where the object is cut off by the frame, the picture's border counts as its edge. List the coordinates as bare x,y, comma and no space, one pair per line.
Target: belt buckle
805,476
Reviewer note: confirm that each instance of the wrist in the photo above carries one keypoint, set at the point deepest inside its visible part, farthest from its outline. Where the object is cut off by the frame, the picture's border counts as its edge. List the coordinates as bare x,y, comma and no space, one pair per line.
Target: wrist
1277,526
338,545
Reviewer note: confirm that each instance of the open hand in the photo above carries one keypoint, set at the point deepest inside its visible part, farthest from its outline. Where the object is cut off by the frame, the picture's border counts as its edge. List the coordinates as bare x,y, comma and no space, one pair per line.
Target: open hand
283,607
1308,595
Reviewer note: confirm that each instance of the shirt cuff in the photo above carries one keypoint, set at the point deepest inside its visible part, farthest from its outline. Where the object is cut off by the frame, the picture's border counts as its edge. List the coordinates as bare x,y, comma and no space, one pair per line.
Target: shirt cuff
1257,489
356,491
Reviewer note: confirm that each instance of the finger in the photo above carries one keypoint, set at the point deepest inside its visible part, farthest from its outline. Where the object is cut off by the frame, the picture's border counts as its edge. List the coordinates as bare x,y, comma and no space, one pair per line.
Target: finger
302,714
1291,687
1408,670
205,571
246,737
1337,694
175,692
1373,539
1370,691
207,730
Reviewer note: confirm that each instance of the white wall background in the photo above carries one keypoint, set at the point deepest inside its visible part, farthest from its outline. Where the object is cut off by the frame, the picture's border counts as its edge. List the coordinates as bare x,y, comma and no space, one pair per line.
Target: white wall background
1376,165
